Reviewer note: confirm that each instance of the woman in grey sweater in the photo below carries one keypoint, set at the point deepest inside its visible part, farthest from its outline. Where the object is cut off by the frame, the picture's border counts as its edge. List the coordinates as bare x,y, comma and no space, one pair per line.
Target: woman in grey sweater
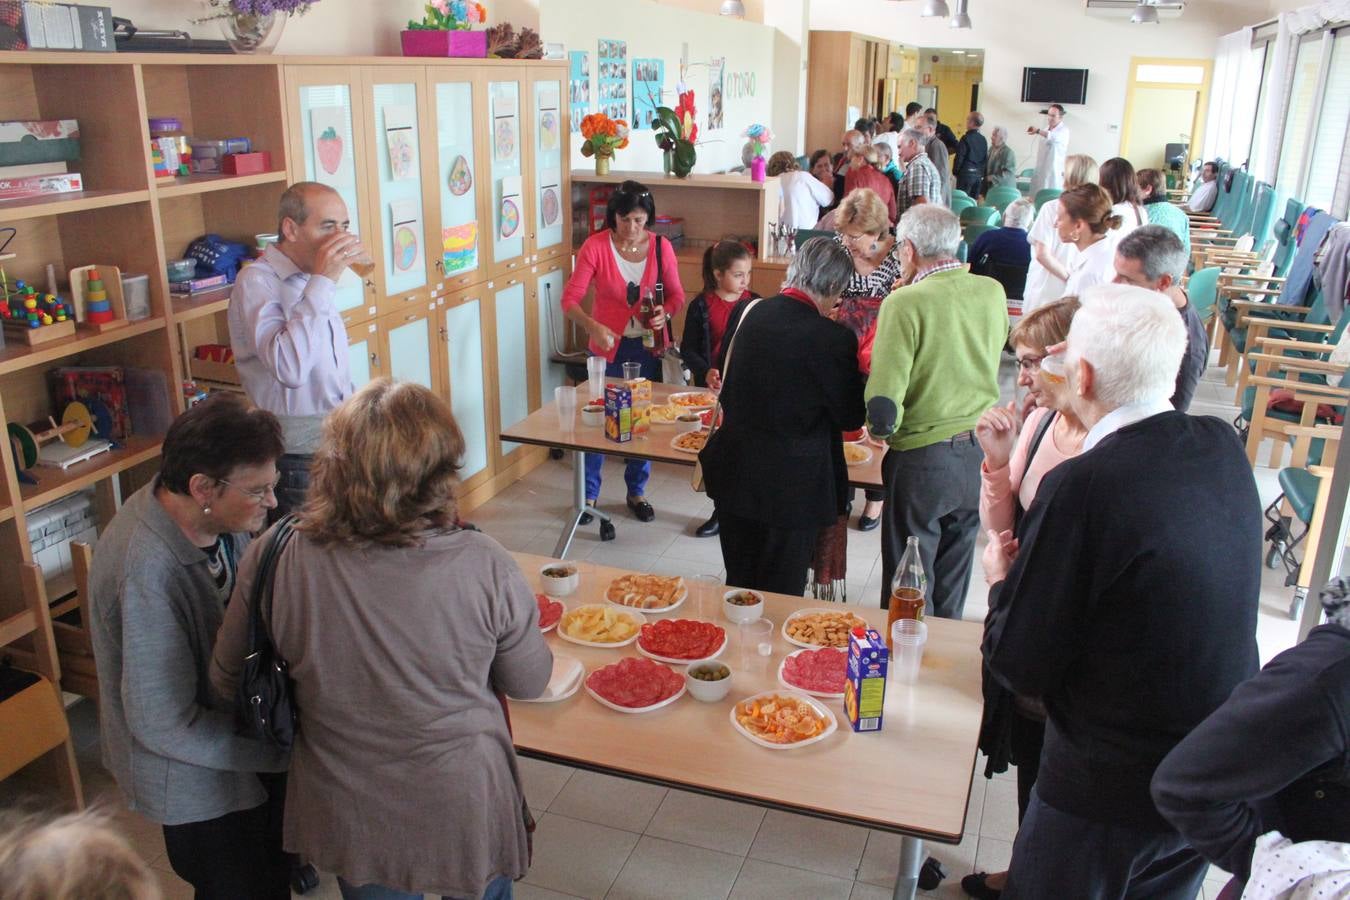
163,570
398,629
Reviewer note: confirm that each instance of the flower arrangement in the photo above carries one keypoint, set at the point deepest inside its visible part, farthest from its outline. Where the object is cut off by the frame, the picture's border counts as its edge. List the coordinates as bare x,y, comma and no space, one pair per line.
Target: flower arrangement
760,137
447,15
230,8
603,135
675,132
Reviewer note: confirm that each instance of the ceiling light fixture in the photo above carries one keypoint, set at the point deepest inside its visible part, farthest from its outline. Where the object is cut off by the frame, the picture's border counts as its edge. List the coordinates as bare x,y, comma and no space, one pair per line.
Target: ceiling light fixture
1145,14
934,9
962,17
732,8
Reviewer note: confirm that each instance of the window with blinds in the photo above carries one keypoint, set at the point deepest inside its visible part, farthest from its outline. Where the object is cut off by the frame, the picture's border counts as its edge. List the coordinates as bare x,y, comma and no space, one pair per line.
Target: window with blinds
1329,165
1298,114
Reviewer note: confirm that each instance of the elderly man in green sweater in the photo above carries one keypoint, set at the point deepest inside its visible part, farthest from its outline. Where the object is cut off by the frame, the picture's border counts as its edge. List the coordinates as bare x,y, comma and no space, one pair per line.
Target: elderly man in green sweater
934,372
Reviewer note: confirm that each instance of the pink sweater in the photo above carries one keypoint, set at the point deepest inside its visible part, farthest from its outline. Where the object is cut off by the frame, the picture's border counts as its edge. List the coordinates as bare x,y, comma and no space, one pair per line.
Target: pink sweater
998,487
595,264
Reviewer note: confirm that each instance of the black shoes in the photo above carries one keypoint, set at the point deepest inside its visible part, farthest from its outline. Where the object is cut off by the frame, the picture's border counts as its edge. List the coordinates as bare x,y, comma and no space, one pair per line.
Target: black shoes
641,509
709,528
587,518
974,885
867,523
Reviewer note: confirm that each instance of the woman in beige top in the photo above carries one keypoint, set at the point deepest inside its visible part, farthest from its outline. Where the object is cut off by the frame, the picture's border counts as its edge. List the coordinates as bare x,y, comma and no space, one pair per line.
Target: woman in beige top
399,630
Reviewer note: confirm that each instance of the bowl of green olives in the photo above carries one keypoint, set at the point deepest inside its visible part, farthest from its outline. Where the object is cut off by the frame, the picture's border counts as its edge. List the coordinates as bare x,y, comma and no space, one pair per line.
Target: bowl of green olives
708,679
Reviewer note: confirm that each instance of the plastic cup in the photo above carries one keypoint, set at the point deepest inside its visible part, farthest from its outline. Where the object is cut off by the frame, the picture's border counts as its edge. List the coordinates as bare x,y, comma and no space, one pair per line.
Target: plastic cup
566,399
595,372
632,371
756,639
908,637
707,592
1054,368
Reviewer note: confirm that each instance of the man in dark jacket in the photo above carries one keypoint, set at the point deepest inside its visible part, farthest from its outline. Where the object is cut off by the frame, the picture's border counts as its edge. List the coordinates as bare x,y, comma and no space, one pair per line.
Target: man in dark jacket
972,152
1130,608
943,131
1274,757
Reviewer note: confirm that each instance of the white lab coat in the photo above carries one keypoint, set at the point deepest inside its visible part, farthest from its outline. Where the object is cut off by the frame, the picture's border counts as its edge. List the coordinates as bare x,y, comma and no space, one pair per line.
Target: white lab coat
1050,159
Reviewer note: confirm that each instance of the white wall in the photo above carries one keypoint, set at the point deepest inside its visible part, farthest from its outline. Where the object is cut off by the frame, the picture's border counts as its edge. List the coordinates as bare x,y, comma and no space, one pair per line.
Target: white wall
655,30
1055,33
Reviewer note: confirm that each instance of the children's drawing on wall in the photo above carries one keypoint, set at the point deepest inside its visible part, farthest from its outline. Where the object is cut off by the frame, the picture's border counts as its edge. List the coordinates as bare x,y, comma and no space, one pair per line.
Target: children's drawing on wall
332,152
648,76
579,87
716,70
406,247
612,80
401,141
549,122
459,247
550,201
505,130
512,221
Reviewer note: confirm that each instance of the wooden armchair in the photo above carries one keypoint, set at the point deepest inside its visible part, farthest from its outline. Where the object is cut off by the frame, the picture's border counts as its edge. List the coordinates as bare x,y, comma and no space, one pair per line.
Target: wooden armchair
1304,492
1310,384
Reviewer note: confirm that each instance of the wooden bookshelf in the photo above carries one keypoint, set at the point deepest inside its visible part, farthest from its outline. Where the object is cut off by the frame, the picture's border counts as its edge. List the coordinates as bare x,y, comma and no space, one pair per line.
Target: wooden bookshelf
205,303
53,484
15,356
26,208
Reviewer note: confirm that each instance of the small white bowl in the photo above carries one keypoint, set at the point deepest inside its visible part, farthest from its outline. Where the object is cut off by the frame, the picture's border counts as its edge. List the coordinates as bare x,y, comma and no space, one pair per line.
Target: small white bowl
739,614
563,586
688,422
593,415
707,691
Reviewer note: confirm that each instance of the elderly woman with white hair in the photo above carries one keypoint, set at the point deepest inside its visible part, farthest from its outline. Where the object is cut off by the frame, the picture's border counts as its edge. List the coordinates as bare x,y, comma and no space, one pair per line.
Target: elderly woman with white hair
790,388
1001,168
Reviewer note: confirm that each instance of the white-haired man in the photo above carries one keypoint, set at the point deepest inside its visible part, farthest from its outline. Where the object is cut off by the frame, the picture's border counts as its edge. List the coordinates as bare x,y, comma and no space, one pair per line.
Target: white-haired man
934,372
1005,248
921,183
1153,257
1130,608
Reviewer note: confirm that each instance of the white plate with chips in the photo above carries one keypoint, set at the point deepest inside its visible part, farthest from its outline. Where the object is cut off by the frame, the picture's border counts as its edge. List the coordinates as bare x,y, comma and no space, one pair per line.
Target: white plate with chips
637,618
821,710
802,613
693,401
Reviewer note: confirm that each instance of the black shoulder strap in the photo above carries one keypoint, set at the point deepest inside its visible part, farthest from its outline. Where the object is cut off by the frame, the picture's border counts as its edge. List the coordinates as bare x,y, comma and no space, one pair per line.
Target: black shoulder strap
1041,430
260,597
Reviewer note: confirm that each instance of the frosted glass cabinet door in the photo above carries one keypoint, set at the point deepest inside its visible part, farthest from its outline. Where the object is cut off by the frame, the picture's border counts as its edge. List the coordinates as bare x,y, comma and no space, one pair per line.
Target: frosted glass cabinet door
364,355
551,203
513,382
549,282
330,157
398,187
409,341
468,385
508,202
456,241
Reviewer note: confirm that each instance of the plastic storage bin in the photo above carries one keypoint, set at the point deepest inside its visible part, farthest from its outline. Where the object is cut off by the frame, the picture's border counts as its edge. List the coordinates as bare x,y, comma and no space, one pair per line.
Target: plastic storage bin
136,296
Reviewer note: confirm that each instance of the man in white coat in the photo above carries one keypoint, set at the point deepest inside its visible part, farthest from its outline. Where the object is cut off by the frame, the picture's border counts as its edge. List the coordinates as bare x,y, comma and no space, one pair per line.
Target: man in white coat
1050,155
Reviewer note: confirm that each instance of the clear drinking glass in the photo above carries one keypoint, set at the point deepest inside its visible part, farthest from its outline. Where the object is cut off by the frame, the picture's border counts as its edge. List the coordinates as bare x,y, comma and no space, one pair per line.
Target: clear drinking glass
707,595
631,371
756,645
595,373
565,397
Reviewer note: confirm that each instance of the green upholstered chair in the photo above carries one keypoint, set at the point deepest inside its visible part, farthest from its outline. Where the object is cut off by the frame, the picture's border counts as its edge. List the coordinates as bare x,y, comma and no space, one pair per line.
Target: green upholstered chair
1045,195
1000,197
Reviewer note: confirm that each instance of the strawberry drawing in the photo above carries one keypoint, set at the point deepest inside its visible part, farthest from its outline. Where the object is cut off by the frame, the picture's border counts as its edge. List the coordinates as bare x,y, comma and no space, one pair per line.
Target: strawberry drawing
329,149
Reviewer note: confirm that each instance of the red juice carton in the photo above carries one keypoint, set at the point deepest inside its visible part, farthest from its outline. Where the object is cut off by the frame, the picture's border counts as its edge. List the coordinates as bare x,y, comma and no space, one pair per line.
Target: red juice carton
618,413
865,689
641,390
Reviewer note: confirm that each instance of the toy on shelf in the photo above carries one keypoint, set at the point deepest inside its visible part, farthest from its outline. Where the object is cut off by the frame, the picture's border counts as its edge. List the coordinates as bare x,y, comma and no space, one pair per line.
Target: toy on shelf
97,295
60,446
32,317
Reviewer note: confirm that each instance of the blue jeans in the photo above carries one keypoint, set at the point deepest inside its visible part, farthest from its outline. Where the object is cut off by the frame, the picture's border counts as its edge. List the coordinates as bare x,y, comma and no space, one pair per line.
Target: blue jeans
636,473
497,889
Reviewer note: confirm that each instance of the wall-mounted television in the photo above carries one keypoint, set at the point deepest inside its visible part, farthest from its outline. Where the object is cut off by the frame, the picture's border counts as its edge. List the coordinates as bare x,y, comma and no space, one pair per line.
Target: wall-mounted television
1054,85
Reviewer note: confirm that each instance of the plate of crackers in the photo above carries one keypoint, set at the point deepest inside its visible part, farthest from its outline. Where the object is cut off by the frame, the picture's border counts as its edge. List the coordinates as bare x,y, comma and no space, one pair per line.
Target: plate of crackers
857,454
820,627
694,400
654,593
666,413
690,441
783,720
601,625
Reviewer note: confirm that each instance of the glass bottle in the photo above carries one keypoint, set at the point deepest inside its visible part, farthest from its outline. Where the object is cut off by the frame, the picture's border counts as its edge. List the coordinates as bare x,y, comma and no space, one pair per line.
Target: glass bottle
909,588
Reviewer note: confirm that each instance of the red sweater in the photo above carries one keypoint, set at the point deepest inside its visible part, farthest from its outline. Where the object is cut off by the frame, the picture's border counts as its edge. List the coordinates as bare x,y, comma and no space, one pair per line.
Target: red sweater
595,264
865,176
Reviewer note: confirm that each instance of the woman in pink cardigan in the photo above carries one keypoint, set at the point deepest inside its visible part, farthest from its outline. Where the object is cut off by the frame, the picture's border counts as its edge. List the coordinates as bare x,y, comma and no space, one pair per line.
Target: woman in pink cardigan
624,262
1014,464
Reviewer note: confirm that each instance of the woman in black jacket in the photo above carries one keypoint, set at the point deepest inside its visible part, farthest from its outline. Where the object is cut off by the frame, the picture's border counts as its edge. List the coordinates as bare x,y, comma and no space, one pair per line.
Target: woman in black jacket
775,469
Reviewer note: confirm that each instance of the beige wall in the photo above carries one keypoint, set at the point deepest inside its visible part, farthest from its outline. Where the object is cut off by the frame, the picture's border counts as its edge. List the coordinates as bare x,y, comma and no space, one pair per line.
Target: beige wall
1012,37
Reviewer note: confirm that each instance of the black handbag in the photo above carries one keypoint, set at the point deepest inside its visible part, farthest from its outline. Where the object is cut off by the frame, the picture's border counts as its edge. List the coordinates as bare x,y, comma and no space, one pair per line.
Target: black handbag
266,706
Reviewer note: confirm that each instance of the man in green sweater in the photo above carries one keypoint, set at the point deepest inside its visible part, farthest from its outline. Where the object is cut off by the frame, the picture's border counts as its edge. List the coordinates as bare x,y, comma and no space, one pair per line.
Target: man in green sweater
934,372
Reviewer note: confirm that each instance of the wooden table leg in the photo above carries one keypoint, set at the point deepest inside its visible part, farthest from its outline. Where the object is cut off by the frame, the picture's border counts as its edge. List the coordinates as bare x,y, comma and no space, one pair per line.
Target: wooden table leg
911,861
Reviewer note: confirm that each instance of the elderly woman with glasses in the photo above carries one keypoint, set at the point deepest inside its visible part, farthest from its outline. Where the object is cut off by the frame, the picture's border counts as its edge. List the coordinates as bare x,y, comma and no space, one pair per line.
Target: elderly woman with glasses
399,630
624,263
162,574
790,388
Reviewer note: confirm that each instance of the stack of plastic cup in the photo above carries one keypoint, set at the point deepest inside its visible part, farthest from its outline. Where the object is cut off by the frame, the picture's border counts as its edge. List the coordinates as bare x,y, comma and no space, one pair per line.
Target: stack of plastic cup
566,399
595,371
908,637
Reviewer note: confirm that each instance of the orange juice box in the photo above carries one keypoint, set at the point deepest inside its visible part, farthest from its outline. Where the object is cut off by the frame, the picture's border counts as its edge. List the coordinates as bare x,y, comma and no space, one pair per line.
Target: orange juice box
618,413
865,689
641,390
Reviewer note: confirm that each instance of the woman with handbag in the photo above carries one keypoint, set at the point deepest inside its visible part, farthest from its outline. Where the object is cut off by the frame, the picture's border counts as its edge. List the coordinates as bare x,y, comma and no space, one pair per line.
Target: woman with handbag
162,573
790,388
625,263
398,629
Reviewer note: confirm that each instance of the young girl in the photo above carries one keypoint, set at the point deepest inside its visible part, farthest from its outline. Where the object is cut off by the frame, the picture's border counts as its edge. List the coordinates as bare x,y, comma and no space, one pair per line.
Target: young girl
726,282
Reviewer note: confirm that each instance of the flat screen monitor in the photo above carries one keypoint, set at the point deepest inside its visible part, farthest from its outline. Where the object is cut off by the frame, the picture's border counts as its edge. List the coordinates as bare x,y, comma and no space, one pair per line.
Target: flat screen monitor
1054,85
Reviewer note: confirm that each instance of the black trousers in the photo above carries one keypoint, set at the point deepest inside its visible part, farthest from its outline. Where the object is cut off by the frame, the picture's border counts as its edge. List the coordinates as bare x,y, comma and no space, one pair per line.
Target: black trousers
1058,854
970,183
292,486
764,558
238,855
1028,737
933,494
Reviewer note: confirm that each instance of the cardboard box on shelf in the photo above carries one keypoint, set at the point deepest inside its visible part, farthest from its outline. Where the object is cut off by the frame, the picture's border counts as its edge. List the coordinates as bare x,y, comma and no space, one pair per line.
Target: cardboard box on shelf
42,25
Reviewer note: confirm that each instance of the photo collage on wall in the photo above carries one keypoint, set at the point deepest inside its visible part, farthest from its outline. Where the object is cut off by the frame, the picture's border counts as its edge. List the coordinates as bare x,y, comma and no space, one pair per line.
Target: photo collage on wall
579,87
648,77
612,80
716,85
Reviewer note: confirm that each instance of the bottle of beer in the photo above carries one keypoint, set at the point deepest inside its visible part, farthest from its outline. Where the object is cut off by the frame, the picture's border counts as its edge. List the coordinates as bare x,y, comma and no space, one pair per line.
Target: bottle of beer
654,339
909,588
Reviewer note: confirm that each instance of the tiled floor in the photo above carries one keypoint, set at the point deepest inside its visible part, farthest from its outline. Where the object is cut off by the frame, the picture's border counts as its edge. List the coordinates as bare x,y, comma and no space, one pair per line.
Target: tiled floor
606,837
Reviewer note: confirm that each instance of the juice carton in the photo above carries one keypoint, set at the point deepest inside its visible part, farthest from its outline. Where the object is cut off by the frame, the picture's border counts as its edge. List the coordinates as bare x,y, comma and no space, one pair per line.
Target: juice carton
865,690
618,413
641,390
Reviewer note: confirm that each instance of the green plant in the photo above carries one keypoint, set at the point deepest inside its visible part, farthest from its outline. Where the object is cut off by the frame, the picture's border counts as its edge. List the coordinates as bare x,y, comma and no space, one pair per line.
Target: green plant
670,137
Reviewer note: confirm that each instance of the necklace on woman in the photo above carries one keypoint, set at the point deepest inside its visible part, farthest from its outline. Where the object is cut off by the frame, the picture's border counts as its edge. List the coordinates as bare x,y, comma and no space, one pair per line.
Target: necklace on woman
626,249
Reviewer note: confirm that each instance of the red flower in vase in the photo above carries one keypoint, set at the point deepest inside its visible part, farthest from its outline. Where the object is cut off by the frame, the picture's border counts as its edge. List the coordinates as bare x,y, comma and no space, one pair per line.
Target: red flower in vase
685,113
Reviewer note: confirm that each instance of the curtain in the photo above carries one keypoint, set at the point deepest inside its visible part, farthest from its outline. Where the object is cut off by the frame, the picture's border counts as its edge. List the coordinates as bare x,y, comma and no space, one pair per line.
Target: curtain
1233,93
1319,16
1283,51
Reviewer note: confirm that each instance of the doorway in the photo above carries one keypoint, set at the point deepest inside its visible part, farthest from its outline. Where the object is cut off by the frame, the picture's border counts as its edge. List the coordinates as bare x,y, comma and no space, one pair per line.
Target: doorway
1165,106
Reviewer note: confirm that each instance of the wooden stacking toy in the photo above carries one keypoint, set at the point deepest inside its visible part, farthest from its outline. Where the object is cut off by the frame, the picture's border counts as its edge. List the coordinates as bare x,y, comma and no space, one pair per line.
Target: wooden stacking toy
98,308
97,294
35,318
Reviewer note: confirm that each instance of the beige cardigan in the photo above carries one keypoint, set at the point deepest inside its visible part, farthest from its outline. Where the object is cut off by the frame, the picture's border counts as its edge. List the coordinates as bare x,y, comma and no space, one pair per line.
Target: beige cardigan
403,773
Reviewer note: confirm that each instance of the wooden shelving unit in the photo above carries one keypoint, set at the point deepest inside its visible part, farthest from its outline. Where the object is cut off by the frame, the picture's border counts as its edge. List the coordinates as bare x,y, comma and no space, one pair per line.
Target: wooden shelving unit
54,484
62,204
206,303
187,185
15,357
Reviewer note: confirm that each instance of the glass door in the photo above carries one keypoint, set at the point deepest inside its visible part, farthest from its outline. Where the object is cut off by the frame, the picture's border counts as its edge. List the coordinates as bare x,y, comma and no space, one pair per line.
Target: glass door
409,347
551,187
462,366
549,279
513,357
395,97
457,210
364,353
510,205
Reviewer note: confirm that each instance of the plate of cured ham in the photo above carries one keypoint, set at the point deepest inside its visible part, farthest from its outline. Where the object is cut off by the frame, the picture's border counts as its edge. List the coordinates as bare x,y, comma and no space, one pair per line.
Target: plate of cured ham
820,673
681,641
550,611
783,720
635,684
